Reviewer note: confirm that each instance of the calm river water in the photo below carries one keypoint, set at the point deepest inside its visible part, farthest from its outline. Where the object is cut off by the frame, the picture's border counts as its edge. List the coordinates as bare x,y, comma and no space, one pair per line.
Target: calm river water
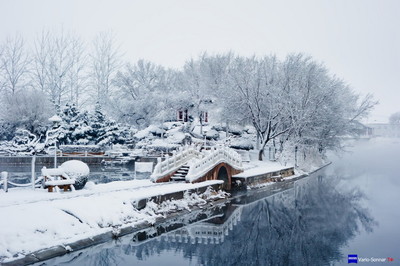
350,207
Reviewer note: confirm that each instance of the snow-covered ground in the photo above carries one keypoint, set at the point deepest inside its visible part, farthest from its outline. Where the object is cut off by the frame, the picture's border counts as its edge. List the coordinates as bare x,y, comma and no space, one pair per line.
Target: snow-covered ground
35,219
32,220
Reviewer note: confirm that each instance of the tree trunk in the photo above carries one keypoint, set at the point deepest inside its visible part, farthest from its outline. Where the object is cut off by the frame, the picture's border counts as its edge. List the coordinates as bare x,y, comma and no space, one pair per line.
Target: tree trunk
260,154
201,123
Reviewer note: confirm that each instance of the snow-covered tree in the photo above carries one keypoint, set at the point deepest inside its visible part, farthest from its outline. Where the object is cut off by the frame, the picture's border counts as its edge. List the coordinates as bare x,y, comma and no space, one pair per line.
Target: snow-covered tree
98,120
14,65
293,104
58,67
75,126
323,108
104,64
28,109
106,131
83,128
7,130
395,118
78,76
294,100
256,97
40,61
197,87
144,91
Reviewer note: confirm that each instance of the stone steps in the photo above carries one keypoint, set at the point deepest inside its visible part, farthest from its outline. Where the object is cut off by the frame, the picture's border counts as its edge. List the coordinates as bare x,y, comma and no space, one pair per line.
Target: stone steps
181,173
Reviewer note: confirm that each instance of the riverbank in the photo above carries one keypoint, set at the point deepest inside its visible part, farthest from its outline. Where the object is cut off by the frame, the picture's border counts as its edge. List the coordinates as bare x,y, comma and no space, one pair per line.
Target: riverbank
35,219
41,225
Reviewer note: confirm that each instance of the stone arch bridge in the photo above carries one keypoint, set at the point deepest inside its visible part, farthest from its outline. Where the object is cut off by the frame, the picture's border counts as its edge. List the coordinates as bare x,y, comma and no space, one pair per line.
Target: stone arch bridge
190,165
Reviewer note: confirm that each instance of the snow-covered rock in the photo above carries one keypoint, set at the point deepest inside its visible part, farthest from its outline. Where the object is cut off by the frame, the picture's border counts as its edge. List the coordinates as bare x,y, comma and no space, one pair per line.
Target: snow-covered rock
198,132
236,130
162,145
77,170
219,127
241,144
171,125
212,134
175,136
250,130
149,131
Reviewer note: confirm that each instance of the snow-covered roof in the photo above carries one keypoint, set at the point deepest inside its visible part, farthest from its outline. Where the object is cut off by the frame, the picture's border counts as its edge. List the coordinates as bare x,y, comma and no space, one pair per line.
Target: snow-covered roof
260,168
55,118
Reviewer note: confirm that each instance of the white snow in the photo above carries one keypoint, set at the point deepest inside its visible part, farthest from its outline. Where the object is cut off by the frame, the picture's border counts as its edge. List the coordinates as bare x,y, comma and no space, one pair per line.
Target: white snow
244,143
144,167
60,182
147,131
163,143
75,168
55,118
196,130
255,168
175,135
171,139
35,219
212,133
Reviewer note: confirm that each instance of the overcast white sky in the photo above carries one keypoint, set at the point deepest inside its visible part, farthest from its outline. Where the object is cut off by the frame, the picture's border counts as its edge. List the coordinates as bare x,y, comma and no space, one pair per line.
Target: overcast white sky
358,40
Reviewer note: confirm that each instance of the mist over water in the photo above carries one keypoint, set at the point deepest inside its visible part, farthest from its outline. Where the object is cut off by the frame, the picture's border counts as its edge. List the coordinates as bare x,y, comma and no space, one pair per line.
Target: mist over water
373,167
350,207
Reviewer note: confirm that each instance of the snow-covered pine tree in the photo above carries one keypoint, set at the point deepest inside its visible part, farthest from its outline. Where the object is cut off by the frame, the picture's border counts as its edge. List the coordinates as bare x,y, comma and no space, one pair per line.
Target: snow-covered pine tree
75,127
83,129
105,131
98,123
114,133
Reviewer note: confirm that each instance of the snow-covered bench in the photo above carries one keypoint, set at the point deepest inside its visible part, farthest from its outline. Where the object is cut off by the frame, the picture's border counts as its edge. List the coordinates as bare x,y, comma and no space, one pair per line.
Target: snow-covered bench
57,178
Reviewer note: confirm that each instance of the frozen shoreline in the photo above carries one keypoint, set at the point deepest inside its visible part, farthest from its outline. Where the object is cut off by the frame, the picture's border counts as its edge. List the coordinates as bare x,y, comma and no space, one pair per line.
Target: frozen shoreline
35,219
41,225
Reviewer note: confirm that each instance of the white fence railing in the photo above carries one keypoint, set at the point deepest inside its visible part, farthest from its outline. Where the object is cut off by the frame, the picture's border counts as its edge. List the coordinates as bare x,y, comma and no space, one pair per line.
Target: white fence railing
51,176
5,182
215,156
174,162
199,162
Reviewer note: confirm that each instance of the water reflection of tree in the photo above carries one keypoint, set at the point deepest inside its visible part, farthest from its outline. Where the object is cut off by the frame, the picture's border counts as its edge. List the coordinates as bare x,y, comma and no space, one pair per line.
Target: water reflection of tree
306,225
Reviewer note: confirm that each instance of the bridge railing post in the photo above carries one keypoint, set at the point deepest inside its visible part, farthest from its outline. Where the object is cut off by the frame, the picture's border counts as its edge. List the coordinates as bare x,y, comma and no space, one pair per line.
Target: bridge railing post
157,169
174,158
4,178
33,176
179,157
167,162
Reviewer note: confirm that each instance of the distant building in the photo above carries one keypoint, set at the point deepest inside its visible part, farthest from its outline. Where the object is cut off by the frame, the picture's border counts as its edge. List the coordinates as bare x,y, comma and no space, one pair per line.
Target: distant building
384,130
363,130
182,115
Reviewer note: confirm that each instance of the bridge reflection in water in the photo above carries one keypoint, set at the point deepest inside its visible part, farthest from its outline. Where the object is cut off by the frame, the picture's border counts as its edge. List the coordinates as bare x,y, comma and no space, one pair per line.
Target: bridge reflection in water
212,231
296,223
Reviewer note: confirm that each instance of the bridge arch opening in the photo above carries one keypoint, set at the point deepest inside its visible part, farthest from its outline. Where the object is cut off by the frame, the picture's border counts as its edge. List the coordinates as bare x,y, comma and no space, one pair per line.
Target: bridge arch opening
224,176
